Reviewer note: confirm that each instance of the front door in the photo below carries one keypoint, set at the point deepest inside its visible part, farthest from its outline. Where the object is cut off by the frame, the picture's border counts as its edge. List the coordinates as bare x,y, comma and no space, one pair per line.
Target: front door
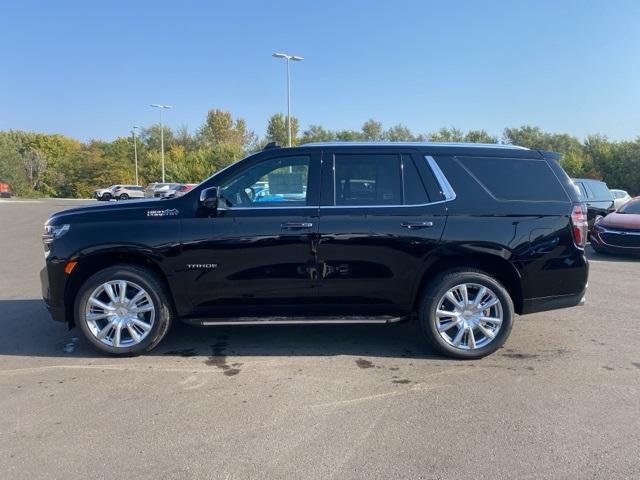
260,256
378,225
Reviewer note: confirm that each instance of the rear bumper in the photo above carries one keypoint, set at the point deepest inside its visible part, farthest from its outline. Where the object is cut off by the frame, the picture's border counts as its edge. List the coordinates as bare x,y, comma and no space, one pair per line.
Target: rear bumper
543,304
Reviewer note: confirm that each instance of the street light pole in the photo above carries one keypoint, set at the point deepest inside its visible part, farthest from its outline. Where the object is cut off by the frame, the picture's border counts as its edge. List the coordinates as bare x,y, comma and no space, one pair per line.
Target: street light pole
288,58
135,151
162,108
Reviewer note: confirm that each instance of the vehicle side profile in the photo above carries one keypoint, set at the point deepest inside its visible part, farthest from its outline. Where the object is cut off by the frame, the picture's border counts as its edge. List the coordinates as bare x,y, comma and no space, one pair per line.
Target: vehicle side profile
620,197
597,196
125,192
119,192
104,194
458,237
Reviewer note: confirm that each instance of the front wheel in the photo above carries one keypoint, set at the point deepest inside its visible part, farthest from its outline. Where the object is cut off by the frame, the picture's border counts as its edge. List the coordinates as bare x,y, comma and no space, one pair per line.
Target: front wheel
123,310
105,197
466,314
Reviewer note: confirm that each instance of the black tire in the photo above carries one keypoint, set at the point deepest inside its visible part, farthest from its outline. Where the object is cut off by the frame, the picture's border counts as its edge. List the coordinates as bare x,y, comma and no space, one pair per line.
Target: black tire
149,282
124,196
437,288
105,197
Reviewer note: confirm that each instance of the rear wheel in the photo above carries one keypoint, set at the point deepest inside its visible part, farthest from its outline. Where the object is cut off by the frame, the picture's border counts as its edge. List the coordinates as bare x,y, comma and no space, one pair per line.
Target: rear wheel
124,196
466,314
123,310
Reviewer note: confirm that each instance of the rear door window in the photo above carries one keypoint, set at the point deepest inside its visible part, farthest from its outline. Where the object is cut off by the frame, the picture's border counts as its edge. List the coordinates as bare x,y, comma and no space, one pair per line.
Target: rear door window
515,178
367,179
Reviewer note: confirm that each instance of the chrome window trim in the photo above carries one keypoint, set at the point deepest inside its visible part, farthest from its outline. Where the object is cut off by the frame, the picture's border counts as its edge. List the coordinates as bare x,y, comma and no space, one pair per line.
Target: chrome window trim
270,208
446,188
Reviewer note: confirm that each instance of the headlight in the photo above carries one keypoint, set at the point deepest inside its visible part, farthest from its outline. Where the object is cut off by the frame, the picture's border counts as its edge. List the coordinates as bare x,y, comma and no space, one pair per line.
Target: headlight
51,232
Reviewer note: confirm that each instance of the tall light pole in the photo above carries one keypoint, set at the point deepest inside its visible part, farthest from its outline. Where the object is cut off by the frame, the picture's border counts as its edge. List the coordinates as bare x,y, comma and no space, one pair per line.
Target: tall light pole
289,58
135,150
162,109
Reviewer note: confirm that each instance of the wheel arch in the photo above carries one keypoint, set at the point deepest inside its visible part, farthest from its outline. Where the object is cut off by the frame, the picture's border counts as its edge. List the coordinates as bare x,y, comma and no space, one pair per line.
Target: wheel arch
90,264
494,265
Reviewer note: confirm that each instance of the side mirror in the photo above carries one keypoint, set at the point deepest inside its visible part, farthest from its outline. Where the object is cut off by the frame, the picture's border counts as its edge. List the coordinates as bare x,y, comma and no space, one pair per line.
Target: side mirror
209,198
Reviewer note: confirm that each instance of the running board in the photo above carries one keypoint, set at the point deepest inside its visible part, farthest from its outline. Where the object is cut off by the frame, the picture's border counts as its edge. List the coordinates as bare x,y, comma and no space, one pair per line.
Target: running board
208,322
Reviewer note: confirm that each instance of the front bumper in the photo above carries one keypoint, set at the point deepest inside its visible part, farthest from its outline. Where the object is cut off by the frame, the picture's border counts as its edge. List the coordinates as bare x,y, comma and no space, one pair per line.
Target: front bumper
626,243
53,299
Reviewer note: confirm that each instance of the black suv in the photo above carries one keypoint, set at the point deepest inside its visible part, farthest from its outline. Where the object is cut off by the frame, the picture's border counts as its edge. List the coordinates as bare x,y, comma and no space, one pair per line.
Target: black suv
597,196
459,236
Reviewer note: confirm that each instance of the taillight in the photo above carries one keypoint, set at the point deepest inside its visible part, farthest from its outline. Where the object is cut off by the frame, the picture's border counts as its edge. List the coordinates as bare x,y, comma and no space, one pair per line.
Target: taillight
579,224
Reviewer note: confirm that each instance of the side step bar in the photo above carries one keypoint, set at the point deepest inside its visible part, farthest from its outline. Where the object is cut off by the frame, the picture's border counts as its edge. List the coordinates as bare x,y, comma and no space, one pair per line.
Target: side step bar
208,322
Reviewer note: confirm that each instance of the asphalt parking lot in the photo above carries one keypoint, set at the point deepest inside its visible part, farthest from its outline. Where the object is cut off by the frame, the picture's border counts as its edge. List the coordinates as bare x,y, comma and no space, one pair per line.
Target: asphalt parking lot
560,400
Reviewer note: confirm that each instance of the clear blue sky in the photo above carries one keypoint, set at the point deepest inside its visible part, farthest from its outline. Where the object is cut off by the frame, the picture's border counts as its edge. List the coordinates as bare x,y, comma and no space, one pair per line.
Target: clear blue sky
89,69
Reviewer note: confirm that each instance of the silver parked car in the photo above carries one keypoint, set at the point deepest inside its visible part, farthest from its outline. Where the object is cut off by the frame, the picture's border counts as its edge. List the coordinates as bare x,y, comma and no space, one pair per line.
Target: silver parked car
125,192
161,190
620,197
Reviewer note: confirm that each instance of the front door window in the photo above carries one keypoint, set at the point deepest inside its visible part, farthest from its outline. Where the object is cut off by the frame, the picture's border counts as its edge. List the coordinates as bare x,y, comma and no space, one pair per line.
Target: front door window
277,182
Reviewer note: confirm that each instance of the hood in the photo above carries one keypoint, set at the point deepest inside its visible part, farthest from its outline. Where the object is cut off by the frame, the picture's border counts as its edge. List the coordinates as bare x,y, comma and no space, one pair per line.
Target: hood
113,211
629,221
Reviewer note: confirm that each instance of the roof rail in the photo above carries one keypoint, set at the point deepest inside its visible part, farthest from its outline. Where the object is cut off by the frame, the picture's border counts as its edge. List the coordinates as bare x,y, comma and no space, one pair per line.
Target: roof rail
412,144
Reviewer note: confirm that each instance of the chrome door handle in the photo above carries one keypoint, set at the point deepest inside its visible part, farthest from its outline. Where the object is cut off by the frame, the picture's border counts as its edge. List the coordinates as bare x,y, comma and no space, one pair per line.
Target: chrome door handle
296,225
416,225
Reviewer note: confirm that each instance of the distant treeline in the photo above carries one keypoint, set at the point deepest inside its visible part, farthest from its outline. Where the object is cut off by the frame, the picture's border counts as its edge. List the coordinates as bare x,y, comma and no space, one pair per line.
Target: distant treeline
37,164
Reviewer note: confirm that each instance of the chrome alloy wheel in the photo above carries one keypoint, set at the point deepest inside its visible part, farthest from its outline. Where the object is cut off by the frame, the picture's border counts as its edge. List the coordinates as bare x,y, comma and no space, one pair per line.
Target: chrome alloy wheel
469,316
120,313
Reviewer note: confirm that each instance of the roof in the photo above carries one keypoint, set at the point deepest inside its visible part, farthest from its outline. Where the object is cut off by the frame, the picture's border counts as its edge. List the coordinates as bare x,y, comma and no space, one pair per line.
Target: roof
414,144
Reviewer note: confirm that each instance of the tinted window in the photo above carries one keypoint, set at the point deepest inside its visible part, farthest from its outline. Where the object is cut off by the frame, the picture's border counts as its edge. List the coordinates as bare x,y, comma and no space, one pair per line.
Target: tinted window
600,190
278,182
632,207
367,180
414,190
516,179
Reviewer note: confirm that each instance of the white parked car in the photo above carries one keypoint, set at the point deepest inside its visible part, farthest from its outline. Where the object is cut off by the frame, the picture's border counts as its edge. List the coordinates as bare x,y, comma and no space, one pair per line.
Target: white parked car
125,192
119,192
104,194
620,197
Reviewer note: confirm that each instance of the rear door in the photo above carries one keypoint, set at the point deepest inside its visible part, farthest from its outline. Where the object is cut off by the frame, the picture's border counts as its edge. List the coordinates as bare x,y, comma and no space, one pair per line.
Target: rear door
381,215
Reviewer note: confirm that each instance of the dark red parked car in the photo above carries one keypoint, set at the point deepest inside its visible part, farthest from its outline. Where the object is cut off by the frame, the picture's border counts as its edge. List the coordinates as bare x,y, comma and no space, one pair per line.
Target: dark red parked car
619,232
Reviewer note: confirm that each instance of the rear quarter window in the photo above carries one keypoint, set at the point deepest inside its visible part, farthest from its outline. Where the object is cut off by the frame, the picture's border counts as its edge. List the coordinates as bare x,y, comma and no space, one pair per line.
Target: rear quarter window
515,178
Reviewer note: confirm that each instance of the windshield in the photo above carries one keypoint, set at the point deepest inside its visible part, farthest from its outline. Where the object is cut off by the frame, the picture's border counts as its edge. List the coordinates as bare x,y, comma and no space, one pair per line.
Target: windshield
632,207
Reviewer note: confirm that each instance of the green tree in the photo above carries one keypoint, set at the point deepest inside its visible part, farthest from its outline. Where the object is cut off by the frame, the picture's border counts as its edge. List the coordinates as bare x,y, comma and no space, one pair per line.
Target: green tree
372,130
220,127
447,135
398,133
479,136
151,137
317,133
277,130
